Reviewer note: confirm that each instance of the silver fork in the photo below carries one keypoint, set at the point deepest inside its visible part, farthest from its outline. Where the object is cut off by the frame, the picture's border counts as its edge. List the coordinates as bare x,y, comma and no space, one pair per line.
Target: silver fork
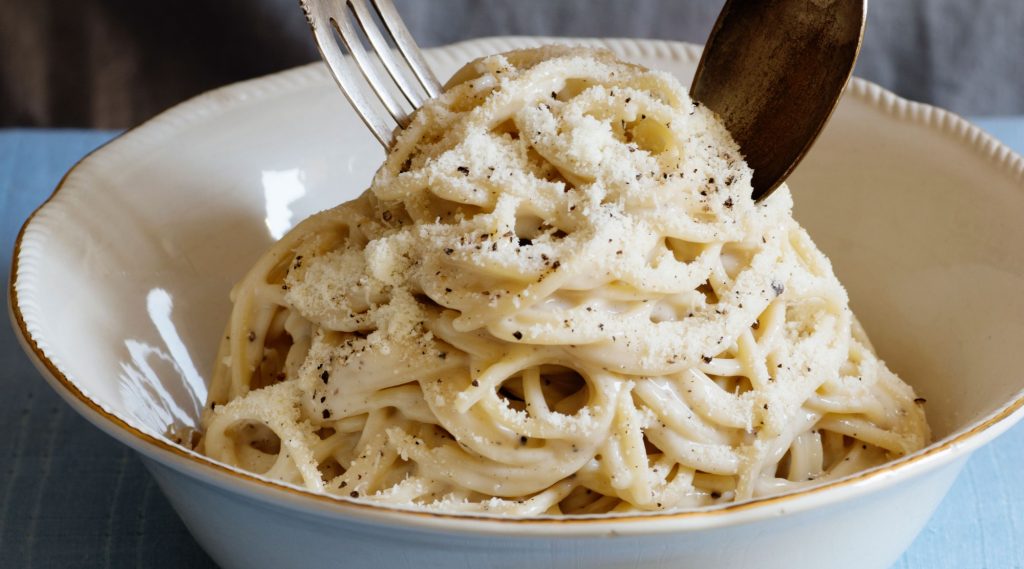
326,17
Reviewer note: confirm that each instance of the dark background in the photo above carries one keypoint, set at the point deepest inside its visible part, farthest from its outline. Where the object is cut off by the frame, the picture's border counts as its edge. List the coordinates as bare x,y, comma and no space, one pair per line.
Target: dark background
113,63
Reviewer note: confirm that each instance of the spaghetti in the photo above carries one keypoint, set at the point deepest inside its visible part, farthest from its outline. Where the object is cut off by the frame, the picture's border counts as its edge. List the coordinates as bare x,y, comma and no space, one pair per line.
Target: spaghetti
557,297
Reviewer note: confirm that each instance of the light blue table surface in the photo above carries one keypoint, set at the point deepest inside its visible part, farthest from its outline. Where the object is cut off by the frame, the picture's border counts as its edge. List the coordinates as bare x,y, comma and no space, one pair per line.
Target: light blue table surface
72,497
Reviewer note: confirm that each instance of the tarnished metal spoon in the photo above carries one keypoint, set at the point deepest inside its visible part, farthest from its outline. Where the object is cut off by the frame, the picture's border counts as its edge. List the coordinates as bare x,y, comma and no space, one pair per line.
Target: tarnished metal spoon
774,71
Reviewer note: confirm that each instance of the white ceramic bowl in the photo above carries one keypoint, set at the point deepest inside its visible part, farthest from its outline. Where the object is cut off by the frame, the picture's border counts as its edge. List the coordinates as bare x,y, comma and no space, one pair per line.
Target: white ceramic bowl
120,282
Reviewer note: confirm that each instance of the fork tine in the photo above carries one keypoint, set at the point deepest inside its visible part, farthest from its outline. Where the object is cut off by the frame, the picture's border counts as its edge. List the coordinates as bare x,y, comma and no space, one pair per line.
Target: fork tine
320,24
407,45
343,24
387,56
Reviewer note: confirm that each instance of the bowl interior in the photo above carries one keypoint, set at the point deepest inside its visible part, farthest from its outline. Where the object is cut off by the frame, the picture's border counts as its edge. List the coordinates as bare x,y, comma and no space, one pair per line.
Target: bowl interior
124,276
922,228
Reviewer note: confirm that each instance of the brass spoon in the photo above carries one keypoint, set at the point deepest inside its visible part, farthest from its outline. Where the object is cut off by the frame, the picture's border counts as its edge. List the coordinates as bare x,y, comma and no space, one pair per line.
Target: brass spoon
774,71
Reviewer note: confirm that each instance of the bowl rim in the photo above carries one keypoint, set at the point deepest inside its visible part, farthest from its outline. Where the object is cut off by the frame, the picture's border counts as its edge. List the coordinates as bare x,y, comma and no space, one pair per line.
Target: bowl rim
189,112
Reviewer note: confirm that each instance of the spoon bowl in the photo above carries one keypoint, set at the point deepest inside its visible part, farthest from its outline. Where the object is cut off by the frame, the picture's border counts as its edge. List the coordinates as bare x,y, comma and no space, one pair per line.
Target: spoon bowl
774,71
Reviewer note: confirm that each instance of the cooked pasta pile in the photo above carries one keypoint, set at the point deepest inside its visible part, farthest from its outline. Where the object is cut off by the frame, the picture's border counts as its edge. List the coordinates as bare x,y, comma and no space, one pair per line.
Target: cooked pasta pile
557,297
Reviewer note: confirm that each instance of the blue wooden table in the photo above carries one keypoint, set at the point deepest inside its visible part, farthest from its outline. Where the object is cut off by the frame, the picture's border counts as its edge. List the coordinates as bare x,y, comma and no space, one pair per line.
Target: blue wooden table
72,497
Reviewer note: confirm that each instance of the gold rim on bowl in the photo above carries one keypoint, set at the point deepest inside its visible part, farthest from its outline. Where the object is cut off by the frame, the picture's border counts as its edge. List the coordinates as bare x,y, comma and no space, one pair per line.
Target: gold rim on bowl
862,89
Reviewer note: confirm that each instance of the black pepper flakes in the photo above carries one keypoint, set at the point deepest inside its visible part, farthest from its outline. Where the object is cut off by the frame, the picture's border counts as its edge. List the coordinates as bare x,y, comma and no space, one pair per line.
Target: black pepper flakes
326,414
779,288
448,250
707,359
252,336
325,376
476,383
463,170
728,203
920,400
354,494
517,335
